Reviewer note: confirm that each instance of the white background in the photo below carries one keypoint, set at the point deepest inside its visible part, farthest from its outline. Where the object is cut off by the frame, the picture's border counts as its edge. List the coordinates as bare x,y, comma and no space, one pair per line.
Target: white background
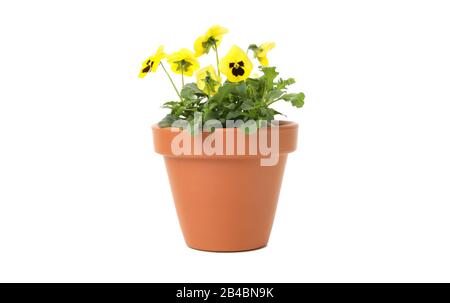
83,197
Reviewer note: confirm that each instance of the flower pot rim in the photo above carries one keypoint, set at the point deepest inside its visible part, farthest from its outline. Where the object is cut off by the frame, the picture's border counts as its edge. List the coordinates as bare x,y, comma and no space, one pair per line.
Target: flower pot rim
163,137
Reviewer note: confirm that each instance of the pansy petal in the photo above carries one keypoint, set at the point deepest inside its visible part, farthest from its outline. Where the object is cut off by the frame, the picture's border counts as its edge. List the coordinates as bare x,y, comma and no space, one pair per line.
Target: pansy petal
198,46
216,31
264,61
264,48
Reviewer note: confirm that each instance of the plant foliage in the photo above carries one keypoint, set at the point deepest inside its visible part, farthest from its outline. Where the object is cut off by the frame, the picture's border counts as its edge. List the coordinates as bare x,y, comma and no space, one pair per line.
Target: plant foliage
250,99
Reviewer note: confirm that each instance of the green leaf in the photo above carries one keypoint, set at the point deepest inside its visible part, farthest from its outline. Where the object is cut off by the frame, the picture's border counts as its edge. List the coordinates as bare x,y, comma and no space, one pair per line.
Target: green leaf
233,115
209,115
171,104
241,89
247,104
230,105
167,121
274,112
274,94
223,92
269,76
190,91
296,100
282,84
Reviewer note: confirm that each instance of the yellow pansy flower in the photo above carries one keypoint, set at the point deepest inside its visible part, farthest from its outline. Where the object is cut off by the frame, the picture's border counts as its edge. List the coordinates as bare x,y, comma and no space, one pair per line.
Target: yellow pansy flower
207,80
152,62
183,62
212,38
261,52
236,65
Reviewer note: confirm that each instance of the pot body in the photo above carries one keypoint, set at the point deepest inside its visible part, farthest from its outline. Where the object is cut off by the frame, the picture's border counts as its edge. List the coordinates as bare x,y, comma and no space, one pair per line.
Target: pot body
225,203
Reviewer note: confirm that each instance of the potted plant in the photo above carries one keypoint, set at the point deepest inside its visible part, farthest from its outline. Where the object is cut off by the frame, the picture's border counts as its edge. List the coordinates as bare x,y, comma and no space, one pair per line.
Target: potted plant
224,152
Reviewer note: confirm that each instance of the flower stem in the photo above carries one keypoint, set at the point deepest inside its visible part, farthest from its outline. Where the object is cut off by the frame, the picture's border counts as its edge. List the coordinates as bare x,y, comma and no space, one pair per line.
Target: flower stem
171,81
273,101
182,77
217,58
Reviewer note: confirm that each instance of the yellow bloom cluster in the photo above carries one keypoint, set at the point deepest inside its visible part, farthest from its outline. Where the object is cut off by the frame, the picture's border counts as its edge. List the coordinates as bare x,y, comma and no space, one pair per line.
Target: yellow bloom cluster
235,65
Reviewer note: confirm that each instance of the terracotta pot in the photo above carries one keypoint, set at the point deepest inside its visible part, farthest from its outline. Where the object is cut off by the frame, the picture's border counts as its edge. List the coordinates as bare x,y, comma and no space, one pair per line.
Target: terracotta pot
225,202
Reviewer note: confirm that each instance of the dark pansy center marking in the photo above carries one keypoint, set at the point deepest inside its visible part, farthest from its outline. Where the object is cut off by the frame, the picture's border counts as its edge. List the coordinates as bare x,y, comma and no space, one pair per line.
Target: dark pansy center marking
237,68
149,66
